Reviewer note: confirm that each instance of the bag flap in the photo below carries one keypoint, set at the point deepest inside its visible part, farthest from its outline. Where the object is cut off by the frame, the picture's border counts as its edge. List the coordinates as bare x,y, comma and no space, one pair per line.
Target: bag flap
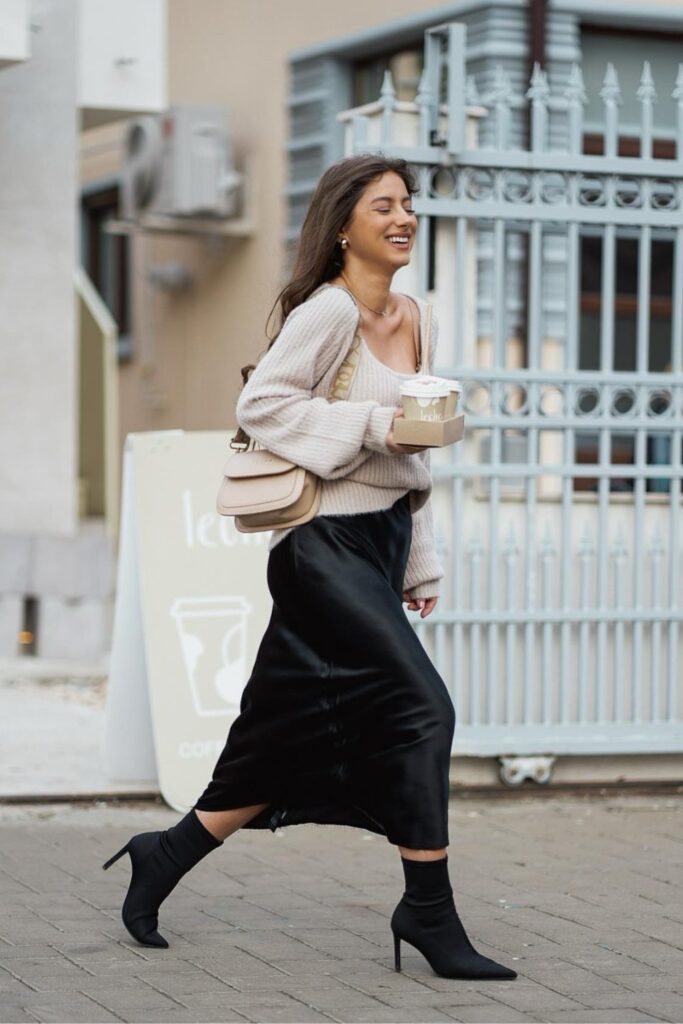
256,463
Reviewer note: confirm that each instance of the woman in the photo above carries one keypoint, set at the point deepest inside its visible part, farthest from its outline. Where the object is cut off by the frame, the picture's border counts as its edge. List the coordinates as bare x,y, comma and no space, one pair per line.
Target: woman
344,719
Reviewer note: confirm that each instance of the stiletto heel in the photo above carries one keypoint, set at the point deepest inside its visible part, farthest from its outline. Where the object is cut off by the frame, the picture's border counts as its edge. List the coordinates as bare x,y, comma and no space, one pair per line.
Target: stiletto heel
426,917
112,860
158,862
397,952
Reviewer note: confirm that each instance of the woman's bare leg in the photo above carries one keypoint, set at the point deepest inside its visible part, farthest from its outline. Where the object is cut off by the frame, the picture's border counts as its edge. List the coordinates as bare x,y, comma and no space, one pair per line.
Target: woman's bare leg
222,824
409,854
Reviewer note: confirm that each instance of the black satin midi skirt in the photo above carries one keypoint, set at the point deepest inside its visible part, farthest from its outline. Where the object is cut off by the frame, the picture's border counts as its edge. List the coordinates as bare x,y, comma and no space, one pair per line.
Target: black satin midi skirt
344,719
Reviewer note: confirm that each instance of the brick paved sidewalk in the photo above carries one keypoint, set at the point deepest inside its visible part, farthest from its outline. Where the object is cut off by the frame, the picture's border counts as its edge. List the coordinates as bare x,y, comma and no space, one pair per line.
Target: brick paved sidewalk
581,895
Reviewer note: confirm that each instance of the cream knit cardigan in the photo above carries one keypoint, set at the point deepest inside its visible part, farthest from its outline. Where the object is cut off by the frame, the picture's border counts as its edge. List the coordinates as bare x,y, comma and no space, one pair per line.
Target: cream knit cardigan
284,407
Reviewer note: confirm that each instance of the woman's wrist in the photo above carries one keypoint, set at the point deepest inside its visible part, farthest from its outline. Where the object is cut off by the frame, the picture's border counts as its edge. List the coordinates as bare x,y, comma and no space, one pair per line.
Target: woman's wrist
379,426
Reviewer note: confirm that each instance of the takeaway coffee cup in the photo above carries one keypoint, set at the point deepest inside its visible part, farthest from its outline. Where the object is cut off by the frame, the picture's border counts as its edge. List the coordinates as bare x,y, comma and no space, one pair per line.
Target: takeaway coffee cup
455,390
424,398
454,393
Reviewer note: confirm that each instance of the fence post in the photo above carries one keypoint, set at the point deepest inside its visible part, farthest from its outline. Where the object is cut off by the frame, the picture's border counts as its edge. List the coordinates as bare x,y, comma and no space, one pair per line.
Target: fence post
446,43
457,78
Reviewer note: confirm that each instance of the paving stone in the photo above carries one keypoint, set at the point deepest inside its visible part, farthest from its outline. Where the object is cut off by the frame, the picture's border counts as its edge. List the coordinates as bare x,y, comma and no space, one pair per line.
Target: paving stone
664,998
74,1009
527,996
663,1005
134,993
183,983
654,981
492,1014
381,1014
297,928
274,1006
567,979
14,1013
623,1016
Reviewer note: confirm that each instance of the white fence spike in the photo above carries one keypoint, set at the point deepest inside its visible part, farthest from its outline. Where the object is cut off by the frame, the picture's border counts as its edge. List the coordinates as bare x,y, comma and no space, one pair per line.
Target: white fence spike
472,97
511,547
611,90
424,94
388,92
677,94
500,90
547,547
619,550
539,90
575,91
646,90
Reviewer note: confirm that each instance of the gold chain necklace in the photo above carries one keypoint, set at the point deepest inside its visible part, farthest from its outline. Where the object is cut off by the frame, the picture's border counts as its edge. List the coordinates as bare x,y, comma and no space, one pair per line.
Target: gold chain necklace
418,358
377,312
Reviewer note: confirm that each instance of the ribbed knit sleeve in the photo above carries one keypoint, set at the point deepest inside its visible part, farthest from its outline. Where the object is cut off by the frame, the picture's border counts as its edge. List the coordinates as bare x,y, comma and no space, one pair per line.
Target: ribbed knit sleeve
276,406
424,570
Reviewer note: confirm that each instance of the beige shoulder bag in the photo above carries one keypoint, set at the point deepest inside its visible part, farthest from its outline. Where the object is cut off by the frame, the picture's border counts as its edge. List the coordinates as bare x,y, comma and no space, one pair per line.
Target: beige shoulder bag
262,490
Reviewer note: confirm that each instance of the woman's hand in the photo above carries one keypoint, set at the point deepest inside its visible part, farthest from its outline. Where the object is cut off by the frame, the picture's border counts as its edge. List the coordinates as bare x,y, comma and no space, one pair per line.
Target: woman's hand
425,605
401,449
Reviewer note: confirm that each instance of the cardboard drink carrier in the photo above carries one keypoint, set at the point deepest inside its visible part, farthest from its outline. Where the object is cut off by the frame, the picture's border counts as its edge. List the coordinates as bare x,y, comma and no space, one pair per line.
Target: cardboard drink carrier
430,417
431,434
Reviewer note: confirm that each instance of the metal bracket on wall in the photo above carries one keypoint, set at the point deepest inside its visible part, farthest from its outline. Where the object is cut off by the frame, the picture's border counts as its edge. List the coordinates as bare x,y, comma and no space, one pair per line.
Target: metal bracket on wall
514,770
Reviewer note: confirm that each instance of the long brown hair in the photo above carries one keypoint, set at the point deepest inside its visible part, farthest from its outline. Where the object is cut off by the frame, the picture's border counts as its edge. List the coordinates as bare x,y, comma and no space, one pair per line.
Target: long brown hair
319,256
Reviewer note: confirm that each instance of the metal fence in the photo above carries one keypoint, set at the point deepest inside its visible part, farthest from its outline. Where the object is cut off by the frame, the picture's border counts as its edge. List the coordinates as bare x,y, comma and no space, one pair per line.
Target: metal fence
559,629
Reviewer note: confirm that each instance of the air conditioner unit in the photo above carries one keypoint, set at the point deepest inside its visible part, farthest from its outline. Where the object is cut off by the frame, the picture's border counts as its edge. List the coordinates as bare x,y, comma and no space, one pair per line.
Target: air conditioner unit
179,164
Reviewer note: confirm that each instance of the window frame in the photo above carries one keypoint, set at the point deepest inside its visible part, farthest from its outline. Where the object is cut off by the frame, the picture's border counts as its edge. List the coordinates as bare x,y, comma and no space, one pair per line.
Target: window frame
96,199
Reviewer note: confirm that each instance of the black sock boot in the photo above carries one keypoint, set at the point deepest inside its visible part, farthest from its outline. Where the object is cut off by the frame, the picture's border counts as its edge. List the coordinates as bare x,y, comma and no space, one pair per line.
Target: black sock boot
159,860
426,918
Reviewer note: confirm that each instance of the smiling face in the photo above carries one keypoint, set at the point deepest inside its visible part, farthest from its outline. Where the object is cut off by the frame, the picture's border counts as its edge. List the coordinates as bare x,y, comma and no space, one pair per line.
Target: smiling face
382,226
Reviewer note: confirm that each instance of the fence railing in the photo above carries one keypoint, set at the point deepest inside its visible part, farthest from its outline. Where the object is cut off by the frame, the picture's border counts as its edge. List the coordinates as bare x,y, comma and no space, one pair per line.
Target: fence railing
559,517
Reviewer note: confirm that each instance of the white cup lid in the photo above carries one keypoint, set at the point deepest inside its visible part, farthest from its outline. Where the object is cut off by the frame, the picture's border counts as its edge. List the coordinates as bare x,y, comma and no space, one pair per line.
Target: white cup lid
425,387
452,384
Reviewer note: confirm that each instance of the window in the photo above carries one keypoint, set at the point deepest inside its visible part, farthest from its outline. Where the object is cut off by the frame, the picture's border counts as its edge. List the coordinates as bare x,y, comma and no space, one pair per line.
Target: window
626,303
622,446
106,258
406,69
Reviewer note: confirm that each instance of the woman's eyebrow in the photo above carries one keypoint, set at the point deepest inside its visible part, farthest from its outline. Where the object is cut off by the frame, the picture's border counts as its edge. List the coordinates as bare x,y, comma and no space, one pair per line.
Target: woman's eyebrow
387,199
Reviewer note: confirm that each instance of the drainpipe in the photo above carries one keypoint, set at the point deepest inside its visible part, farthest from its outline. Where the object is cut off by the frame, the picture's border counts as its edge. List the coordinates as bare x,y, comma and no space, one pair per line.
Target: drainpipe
537,24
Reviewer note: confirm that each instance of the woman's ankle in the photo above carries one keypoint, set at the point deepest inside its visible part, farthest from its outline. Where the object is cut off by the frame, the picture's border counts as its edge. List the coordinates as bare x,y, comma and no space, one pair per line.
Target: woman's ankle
423,855
222,824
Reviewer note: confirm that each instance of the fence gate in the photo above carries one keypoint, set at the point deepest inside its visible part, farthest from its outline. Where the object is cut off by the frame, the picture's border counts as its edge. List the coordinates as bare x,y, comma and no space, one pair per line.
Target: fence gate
556,266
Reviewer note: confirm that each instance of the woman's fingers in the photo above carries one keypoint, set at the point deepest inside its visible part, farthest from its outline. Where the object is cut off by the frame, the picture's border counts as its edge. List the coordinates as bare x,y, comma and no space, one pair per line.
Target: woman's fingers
396,446
424,605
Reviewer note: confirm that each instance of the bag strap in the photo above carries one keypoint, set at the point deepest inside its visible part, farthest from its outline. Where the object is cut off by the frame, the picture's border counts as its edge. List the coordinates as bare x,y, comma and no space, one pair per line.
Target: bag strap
341,385
347,371
339,389
424,342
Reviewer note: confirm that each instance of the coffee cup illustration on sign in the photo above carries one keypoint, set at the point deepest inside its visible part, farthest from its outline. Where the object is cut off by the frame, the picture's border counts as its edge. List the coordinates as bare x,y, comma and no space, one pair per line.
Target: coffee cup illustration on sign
212,634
